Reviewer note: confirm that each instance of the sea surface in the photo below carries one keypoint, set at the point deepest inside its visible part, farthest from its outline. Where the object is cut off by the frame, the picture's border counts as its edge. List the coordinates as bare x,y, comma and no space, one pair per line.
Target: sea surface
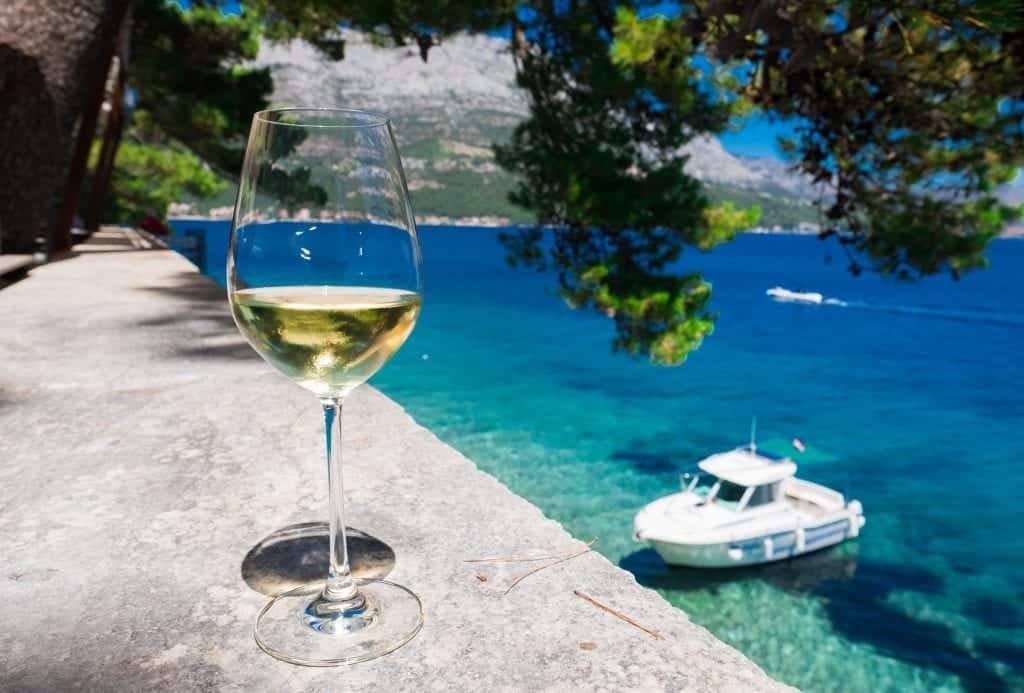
909,397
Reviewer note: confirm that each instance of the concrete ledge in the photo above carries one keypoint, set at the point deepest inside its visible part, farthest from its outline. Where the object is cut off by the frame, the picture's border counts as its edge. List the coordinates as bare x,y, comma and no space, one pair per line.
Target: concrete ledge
145,450
15,266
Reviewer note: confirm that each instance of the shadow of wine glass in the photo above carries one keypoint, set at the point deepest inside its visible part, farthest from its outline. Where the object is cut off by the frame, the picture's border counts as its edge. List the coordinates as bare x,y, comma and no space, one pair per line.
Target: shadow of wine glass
297,555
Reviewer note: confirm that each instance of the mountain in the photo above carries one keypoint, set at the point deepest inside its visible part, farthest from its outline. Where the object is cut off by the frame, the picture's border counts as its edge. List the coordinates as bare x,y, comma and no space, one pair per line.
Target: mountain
712,163
467,73
786,198
447,113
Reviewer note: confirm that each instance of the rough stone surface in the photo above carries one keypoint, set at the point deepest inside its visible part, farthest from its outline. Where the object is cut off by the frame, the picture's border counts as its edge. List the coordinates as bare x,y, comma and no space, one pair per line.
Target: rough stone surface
145,450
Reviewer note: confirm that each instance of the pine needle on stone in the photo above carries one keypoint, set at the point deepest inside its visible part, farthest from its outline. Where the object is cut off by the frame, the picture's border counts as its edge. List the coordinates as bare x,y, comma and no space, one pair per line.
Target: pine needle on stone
619,614
563,559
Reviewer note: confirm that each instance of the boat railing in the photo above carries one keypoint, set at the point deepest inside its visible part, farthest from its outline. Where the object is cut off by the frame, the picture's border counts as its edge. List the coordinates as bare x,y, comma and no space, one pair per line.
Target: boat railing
813,493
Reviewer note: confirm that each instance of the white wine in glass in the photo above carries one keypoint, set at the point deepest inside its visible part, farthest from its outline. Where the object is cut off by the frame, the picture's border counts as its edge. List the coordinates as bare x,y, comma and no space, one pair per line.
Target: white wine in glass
327,339
324,283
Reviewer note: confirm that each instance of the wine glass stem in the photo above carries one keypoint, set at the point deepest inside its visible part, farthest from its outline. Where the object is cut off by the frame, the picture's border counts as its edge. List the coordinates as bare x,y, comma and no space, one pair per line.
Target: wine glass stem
340,589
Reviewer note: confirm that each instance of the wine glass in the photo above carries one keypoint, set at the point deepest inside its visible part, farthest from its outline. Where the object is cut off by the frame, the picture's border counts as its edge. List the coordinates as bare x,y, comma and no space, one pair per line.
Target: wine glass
324,282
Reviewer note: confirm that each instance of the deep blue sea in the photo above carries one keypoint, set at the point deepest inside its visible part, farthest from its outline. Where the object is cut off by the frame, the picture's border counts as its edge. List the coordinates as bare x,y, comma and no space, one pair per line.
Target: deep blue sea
909,396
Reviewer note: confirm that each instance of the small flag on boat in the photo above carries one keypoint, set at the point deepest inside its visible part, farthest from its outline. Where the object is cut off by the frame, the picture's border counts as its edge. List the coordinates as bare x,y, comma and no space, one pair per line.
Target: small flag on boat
799,445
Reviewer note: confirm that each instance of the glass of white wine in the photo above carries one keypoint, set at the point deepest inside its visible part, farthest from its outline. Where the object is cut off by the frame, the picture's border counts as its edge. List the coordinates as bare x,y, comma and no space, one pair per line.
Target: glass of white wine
324,282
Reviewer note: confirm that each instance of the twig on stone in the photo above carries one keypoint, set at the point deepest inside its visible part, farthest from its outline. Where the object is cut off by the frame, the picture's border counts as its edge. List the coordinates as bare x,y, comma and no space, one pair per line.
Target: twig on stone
563,559
619,614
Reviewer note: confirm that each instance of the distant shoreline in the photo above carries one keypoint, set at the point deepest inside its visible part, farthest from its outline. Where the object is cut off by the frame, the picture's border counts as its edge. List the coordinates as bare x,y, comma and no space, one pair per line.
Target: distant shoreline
1013,231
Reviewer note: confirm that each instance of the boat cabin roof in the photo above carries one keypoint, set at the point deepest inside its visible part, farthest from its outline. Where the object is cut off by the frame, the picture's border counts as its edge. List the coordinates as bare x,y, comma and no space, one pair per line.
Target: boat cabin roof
748,467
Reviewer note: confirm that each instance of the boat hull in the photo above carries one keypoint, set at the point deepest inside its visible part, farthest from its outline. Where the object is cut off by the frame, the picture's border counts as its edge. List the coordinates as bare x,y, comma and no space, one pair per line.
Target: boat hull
757,550
780,294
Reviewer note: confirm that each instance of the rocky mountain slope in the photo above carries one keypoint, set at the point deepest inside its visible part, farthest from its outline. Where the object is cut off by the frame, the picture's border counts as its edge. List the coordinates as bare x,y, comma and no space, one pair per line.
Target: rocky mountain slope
448,111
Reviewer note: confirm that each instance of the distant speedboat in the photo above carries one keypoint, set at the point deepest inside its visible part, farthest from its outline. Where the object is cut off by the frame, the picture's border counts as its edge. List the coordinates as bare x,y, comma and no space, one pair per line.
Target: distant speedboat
746,508
781,294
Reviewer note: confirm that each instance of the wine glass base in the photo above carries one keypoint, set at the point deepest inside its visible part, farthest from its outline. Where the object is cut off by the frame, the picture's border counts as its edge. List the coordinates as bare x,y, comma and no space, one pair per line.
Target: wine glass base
288,629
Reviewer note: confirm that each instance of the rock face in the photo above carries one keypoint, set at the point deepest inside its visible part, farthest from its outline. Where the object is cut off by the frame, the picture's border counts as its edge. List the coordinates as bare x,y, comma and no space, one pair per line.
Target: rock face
448,112
466,93
712,163
147,455
465,73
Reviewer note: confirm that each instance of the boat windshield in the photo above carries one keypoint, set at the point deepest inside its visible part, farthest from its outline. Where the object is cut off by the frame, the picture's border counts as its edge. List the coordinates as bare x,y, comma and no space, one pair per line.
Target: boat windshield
729,494
705,482
699,483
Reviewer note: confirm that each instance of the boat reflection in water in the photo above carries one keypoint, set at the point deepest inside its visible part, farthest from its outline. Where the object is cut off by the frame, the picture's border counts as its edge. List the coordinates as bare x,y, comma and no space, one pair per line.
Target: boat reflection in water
804,574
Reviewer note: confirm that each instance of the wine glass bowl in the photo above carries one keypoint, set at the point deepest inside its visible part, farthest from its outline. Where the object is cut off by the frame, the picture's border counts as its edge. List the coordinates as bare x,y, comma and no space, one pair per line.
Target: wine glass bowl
324,283
330,340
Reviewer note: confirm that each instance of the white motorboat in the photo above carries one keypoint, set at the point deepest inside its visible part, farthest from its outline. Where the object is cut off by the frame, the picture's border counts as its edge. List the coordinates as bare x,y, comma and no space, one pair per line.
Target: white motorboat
781,294
746,507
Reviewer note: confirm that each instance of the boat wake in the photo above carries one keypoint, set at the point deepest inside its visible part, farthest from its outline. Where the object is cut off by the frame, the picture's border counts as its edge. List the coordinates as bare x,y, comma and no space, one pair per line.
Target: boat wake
959,315
781,295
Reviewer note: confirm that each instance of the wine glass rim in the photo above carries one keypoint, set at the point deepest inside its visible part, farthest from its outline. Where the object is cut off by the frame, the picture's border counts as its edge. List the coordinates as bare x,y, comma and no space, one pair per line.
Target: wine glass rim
359,118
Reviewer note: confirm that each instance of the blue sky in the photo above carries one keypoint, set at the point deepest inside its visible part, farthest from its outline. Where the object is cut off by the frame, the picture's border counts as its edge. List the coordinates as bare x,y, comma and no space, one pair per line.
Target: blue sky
757,138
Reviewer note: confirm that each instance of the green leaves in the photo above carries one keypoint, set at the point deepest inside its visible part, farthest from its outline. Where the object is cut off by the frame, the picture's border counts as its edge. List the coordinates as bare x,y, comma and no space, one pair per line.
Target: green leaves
911,116
612,101
723,222
395,22
662,317
187,66
637,41
149,175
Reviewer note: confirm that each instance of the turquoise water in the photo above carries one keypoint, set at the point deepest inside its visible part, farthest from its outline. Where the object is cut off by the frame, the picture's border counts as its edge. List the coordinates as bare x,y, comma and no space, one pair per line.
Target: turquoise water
909,396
